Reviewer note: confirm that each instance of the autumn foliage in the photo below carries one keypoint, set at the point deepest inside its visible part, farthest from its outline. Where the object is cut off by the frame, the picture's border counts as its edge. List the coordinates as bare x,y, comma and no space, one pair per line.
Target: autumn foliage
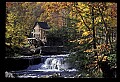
94,24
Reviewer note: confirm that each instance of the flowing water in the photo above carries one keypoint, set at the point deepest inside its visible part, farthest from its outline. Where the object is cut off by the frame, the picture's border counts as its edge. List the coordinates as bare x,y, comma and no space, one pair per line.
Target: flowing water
49,65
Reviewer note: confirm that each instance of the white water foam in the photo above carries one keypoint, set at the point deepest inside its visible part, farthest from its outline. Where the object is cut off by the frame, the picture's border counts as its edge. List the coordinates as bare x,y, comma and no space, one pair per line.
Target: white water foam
52,64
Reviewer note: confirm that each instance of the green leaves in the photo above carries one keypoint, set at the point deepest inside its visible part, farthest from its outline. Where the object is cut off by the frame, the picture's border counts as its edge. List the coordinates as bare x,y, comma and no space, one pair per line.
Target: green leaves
113,60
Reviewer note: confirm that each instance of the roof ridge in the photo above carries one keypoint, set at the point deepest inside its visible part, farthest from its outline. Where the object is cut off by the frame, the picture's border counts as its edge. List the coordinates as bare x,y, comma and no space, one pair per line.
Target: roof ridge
43,25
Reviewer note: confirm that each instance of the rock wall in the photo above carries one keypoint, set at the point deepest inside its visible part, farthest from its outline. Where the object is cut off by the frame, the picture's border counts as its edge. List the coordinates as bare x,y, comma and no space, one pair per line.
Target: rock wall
14,64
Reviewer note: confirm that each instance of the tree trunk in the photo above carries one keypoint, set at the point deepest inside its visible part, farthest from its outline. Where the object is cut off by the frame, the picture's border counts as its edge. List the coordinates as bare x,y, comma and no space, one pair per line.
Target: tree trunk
93,27
108,72
105,25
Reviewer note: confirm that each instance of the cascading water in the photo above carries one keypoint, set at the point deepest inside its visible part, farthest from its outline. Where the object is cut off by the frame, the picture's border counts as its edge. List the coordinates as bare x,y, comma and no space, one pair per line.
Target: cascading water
55,63
49,65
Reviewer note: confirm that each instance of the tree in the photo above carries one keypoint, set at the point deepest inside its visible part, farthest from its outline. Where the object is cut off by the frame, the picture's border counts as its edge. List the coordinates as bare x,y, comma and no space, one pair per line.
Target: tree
65,35
96,25
19,22
87,28
91,20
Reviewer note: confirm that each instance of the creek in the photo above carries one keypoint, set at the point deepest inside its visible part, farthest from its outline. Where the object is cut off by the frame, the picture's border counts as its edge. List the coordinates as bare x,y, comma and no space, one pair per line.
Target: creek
49,65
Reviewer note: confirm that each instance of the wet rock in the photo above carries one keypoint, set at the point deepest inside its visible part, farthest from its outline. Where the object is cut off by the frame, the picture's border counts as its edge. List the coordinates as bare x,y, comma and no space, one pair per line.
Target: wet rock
9,75
56,75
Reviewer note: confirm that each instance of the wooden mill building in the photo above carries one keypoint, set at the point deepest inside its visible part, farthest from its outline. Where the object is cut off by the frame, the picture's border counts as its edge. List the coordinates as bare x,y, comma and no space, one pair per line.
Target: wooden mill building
38,34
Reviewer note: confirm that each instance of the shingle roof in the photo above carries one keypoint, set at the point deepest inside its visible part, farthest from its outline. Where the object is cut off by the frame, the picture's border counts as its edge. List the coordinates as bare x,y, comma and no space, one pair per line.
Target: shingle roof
43,25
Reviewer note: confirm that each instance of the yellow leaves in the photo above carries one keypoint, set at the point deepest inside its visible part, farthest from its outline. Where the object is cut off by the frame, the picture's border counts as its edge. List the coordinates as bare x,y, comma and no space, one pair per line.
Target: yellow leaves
81,41
71,41
91,40
103,47
71,14
97,59
113,23
11,17
95,62
86,33
106,19
89,50
79,25
103,58
54,6
91,65
86,9
74,41
81,5
38,2
98,19
83,8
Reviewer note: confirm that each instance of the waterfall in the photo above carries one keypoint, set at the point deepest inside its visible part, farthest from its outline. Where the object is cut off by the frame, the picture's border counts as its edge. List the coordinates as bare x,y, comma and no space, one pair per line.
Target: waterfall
50,64
53,62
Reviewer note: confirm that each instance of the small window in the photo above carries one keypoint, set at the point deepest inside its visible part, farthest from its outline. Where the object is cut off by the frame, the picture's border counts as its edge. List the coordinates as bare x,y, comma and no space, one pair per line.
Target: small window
44,37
